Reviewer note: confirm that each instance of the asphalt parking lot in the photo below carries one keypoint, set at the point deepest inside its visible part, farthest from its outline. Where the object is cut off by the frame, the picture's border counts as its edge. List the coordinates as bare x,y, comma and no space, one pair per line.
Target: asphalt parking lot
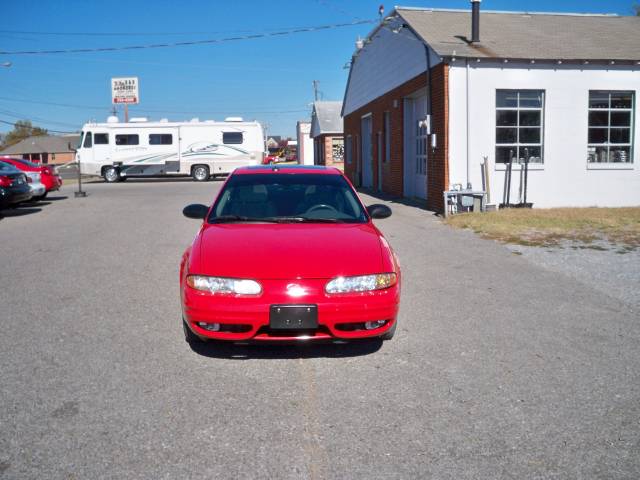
500,369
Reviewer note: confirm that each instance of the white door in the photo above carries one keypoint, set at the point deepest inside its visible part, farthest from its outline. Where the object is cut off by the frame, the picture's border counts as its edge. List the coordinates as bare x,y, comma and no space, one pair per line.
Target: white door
416,148
367,157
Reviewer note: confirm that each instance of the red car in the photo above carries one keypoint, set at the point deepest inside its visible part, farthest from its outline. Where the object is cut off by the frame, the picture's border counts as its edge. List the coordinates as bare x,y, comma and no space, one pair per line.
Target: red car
48,175
288,254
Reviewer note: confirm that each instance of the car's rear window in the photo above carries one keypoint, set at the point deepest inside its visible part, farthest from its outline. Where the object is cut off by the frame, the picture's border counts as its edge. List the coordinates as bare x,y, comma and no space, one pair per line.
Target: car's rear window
288,197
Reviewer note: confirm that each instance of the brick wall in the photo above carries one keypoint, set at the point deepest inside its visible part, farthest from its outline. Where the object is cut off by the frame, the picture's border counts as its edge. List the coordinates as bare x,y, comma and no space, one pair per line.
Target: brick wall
326,143
392,171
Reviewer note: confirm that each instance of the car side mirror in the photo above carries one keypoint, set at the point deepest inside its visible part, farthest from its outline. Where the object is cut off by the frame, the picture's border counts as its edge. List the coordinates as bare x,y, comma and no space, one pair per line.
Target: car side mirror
195,210
378,210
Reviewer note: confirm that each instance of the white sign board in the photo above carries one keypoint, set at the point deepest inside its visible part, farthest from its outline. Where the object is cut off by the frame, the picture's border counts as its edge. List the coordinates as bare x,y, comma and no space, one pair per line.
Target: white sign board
125,90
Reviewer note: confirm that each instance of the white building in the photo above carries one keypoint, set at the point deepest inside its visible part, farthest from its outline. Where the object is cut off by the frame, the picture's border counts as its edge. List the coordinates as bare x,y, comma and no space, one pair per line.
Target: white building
426,102
305,143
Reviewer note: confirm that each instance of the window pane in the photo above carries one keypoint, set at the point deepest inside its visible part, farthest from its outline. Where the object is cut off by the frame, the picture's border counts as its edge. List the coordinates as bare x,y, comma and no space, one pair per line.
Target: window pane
620,155
529,135
506,98
598,99
619,135
503,154
530,99
597,155
127,140
506,118
621,119
597,135
530,118
598,119
160,139
87,140
621,99
534,154
232,138
101,139
506,135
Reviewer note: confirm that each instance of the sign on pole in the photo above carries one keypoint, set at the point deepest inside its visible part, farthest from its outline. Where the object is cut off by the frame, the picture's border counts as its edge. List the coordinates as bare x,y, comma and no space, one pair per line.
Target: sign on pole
125,90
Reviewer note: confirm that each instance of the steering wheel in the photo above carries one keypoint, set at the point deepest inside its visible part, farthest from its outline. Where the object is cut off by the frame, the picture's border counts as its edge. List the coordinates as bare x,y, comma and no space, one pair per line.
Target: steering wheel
322,206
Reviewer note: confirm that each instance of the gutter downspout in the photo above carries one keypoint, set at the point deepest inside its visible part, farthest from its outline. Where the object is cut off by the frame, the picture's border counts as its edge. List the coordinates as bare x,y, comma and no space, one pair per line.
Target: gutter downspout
430,89
468,124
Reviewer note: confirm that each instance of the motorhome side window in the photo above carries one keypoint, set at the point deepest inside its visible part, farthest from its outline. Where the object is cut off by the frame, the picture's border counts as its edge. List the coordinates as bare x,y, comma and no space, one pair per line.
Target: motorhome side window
232,138
101,139
127,140
160,139
87,140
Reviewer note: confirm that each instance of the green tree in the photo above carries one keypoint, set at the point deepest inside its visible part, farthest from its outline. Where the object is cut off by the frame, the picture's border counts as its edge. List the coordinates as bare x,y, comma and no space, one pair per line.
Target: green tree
21,130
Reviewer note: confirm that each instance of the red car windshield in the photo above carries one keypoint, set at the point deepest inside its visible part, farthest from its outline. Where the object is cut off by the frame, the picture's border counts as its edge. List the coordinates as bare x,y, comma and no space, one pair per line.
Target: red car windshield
284,198
26,163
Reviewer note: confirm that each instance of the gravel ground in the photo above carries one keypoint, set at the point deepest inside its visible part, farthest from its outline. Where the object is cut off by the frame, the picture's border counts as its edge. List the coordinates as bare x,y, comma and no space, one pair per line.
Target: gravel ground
611,269
499,369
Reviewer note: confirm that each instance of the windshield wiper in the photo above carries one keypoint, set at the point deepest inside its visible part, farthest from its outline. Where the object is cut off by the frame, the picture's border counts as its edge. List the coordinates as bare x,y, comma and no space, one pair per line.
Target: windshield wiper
311,220
240,218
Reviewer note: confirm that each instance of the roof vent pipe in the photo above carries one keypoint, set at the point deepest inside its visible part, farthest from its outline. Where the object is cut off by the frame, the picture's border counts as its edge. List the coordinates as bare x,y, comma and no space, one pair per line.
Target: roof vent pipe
475,21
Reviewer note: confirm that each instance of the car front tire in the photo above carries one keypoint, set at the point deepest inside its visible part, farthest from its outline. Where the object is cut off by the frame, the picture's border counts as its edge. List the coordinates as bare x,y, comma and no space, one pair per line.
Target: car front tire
190,337
388,335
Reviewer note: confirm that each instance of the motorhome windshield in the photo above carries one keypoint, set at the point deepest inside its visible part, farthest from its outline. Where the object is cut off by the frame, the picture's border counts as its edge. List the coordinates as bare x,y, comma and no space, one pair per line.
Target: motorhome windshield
79,146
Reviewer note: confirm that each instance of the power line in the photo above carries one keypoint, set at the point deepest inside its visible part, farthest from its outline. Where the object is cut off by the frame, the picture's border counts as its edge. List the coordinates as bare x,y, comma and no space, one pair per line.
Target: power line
13,124
21,116
149,110
193,42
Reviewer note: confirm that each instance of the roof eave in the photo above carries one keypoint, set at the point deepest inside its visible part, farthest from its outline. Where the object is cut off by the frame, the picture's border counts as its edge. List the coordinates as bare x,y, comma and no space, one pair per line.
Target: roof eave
543,61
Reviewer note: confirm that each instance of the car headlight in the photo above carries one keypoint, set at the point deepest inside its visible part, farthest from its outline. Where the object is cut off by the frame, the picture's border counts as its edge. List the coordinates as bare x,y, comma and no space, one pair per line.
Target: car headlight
224,285
363,283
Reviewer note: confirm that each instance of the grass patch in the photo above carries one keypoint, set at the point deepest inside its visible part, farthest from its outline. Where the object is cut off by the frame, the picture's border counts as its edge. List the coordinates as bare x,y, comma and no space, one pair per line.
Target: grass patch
549,227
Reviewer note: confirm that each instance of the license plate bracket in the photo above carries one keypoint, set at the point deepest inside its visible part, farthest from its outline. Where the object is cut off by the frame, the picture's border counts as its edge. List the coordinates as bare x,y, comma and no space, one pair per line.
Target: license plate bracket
293,317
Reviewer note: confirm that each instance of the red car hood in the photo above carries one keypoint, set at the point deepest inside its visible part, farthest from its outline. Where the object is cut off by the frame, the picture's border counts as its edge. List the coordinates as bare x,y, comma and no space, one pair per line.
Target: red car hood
284,251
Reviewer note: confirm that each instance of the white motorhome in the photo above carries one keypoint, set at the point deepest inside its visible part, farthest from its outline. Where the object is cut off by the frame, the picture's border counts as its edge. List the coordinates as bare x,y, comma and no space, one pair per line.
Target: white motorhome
140,148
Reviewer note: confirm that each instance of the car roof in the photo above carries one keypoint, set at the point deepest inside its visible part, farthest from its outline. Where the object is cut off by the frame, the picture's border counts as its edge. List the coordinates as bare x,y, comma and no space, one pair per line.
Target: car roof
288,169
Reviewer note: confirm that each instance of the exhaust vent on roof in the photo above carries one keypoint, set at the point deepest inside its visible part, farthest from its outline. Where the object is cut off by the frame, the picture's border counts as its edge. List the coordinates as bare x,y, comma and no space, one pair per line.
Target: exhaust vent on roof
475,21
233,119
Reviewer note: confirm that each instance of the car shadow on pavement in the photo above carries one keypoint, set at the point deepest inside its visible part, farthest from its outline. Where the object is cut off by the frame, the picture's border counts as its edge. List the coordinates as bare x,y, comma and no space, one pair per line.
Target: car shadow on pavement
410,202
55,199
234,351
18,212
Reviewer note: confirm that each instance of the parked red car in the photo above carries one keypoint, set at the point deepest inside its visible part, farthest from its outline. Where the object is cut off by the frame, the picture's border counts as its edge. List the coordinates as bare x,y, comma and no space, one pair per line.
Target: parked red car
288,254
48,175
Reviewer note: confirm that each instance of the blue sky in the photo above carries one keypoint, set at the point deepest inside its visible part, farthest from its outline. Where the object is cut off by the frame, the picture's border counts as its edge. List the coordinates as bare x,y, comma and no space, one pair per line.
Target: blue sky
268,79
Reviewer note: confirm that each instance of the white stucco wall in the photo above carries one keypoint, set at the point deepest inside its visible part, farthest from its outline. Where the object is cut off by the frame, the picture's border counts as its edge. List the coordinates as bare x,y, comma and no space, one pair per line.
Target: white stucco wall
390,60
305,144
565,178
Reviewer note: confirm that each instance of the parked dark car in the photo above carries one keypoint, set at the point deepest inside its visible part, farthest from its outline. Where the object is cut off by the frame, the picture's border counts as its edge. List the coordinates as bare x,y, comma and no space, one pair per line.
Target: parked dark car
13,186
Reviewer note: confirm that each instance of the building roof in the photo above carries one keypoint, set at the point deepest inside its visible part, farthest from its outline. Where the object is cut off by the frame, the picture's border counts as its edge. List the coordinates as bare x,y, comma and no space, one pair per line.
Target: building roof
326,118
42,144
521,35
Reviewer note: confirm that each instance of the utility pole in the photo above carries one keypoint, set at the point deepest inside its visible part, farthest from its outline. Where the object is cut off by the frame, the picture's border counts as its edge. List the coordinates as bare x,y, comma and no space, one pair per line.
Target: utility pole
315,89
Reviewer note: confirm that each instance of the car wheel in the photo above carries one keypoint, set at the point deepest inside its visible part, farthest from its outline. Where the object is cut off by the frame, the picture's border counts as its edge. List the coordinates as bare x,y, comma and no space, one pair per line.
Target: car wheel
111,175
190,337
42,197
388,335
200,173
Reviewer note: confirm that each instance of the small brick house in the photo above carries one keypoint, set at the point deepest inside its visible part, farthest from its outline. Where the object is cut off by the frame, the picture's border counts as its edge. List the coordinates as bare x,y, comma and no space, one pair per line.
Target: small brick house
326,132
46,149
433,93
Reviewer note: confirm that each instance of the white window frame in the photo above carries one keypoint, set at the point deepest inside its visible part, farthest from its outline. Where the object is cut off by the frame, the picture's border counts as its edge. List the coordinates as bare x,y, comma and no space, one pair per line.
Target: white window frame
520,145
608,164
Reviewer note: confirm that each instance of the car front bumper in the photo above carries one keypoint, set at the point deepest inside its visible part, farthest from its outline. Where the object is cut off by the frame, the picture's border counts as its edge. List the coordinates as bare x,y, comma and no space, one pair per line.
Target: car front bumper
247,318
